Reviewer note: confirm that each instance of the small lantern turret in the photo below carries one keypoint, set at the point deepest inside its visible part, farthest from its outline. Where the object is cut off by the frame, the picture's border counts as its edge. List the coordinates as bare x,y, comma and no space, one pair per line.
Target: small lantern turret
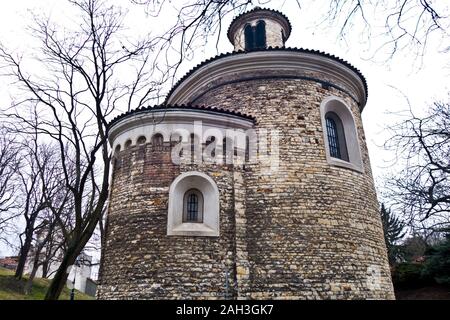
259,29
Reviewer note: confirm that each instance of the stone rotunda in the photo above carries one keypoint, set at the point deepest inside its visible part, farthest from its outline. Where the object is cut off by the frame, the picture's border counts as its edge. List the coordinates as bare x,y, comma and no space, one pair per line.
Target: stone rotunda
251,181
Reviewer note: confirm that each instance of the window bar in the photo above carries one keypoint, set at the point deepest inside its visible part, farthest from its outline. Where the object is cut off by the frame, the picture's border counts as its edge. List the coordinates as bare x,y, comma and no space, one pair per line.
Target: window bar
333,139
192,207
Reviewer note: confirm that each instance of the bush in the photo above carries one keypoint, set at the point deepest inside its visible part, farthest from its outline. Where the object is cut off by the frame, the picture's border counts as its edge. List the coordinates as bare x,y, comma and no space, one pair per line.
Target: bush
437,264
409,275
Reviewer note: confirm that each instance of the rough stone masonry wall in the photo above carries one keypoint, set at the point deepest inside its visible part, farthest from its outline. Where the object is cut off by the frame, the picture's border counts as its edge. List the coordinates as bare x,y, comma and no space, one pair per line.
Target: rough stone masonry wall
140,261
313,231
309,231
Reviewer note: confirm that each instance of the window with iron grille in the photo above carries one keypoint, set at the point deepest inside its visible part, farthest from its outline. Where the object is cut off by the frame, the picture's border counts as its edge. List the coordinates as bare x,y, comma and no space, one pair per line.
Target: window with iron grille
336,137
333,140
340,134
193,206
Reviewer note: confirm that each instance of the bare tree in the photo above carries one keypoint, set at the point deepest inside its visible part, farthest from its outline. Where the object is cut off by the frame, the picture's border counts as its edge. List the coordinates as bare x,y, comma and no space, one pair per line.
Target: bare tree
73,99
47,246
9,166
408,24
196,22
40,176
421,190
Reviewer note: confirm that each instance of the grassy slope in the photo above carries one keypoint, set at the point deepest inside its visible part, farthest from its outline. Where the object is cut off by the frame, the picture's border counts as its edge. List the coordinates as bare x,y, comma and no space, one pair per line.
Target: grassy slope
12,289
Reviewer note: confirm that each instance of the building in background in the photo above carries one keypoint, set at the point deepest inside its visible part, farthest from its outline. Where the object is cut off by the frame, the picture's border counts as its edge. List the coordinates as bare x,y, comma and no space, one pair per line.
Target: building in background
9,262
80,275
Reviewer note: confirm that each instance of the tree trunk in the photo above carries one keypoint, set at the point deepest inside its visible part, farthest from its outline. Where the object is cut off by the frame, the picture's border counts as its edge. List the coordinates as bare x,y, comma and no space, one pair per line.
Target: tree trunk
74,248
24,254
45,266
29,283
61,275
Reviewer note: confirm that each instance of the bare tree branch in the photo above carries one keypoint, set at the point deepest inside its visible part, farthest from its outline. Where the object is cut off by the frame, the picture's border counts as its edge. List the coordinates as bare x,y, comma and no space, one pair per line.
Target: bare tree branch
421,191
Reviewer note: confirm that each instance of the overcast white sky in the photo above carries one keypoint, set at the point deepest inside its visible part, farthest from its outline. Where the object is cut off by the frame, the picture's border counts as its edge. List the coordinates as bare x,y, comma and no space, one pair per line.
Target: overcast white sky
422,81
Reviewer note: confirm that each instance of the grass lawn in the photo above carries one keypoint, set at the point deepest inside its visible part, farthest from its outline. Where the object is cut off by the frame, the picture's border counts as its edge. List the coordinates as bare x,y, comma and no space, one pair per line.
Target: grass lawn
12,289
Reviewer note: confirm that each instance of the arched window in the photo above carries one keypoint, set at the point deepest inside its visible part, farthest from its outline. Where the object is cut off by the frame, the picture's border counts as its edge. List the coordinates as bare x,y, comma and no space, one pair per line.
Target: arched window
255,37
128,144
340,134
336,136
260,35
117,150
193,206
157,139
141,140
249,37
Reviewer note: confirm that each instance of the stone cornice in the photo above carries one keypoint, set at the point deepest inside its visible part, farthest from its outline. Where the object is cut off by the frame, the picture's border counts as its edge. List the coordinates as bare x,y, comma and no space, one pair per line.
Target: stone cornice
178,115
331,70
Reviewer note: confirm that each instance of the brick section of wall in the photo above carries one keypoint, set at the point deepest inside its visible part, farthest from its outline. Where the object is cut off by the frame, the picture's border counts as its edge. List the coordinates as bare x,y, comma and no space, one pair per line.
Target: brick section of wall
140,261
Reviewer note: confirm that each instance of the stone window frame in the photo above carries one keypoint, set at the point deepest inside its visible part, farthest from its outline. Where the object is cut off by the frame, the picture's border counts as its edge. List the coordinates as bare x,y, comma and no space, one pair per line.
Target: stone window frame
339,107
209,227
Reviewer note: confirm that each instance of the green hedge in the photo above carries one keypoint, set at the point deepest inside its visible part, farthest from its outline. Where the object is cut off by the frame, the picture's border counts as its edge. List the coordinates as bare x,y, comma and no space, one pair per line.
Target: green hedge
437,265
410,275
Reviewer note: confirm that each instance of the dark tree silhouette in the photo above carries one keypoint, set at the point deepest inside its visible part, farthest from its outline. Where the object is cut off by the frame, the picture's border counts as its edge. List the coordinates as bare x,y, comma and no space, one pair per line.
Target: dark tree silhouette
79,91
9,166
40,176
437,265
394,230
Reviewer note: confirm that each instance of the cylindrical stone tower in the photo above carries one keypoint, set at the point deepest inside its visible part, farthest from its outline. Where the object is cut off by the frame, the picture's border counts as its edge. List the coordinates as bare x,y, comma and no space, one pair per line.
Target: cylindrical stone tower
294,215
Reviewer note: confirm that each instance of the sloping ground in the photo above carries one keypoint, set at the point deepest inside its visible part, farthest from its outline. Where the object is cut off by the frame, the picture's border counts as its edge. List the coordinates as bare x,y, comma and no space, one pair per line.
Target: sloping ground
435,292
12,289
